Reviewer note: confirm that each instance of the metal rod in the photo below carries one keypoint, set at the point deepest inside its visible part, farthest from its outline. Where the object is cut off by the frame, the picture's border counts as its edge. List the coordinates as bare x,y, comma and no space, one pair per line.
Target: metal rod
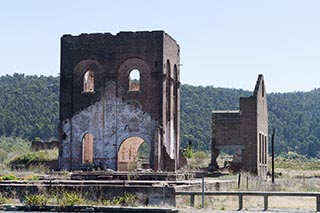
272,148
202,192
247,184
163,195
265,202
240,202
192,200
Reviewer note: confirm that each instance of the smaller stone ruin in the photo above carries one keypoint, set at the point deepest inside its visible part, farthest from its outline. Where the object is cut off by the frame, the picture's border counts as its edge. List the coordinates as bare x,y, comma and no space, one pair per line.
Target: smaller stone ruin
244,133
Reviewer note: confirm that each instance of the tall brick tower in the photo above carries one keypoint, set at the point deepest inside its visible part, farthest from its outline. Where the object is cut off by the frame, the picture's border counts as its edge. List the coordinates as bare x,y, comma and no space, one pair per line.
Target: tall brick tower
116,93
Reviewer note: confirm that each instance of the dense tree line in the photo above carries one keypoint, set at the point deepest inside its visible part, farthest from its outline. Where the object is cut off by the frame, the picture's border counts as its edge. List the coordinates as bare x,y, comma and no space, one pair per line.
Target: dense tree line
295,117
30,108
197,104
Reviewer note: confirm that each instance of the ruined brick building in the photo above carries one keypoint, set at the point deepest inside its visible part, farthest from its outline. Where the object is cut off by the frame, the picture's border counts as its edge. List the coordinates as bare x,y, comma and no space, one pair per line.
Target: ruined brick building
116,93
245,132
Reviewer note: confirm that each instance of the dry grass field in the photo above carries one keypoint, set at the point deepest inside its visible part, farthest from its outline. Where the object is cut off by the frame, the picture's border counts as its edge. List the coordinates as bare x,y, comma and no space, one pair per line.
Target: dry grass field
292,175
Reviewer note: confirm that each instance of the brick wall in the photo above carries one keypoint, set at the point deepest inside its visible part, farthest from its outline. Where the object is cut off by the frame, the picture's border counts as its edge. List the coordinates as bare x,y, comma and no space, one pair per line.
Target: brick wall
240,130
111,112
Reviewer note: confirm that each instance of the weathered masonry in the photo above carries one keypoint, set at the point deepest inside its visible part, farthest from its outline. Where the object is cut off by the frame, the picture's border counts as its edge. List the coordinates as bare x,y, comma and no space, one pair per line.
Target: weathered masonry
245,132
116,93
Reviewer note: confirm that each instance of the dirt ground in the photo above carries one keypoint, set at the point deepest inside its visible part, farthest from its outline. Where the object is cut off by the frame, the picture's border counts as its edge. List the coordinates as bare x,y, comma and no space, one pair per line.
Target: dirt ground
249,210
251,204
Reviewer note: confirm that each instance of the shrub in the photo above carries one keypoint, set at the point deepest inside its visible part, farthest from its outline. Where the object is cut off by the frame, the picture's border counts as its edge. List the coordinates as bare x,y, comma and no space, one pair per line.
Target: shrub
36,200
31,177
126,200
35,157
200,157
294,155
188,152
69,199
199,160
3,200
9,177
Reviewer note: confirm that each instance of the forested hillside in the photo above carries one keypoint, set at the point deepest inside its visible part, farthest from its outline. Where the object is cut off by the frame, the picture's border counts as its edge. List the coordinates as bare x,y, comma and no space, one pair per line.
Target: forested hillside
295,117
30,108
197,104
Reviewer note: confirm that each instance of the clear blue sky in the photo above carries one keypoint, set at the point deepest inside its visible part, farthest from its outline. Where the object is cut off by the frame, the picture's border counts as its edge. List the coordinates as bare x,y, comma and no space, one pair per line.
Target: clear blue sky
223,43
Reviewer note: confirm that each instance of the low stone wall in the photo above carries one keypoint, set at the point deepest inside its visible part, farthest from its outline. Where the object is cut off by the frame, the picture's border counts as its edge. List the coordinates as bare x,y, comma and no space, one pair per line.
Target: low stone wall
87,209
42,145
112,175
52,165
158,193
148,194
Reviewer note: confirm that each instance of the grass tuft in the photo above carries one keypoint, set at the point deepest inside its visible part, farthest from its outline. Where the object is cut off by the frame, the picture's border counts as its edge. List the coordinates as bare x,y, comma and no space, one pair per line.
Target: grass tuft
36,200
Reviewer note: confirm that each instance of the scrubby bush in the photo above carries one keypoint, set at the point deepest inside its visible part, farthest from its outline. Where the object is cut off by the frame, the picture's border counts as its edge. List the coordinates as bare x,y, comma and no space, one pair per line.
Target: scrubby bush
34,157
69,199
31,177
293,156
4,200
199,160
188,152
36,200
126,200
9,177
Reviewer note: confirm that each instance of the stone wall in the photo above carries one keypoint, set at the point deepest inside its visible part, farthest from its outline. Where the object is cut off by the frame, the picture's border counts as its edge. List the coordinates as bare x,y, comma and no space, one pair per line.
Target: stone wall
112,112
244,131
42,145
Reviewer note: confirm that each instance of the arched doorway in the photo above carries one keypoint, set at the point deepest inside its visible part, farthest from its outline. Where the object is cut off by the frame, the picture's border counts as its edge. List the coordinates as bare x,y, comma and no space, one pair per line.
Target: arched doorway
133,154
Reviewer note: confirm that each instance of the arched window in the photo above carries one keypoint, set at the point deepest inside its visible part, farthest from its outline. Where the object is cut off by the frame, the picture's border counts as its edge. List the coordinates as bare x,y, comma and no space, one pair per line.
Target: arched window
134,80
87,149
88,81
